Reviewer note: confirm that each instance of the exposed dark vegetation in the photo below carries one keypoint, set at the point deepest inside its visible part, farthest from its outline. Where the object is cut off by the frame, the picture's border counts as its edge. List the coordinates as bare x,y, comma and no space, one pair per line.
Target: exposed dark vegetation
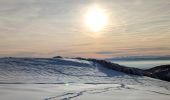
161,72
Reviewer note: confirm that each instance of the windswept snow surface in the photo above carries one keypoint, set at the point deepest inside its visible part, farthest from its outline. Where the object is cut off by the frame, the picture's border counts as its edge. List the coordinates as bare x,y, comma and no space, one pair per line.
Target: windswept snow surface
73,79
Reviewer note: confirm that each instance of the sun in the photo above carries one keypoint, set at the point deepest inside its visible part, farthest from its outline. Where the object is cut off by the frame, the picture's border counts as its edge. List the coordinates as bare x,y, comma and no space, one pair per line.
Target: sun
96,19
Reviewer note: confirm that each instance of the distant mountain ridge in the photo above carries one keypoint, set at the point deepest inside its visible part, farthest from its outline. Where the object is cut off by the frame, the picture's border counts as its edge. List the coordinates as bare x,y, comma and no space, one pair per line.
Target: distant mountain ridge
130,58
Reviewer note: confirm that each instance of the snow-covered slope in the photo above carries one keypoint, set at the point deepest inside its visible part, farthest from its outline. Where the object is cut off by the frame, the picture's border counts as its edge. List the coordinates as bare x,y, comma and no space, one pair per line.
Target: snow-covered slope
36,70
65,79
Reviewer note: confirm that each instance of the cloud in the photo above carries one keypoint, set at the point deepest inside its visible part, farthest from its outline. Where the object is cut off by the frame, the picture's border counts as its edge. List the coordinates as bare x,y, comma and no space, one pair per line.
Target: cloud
108,52
27,54
54,24
82,44
149,49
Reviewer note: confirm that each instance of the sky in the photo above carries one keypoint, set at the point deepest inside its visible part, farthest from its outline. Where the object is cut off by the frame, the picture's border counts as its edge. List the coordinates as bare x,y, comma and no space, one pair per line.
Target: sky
47,28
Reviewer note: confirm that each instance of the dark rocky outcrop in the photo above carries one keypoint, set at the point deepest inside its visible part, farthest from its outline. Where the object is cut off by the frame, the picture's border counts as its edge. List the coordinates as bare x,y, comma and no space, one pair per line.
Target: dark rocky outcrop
57,57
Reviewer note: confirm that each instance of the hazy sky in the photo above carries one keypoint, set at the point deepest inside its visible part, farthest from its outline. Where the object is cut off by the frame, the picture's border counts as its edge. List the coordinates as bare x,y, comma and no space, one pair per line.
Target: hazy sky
45,28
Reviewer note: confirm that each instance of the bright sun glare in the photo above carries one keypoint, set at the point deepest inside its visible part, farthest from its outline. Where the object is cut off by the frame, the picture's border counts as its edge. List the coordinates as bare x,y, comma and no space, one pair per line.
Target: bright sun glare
96,19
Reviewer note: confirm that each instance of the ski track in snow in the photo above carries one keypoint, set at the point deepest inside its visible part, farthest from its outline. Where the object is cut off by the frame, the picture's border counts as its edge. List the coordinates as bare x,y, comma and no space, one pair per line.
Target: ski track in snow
66,96
71,95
